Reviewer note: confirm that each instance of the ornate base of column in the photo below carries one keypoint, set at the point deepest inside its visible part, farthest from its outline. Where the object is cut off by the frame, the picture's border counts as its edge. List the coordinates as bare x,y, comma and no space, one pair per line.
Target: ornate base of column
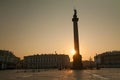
77,62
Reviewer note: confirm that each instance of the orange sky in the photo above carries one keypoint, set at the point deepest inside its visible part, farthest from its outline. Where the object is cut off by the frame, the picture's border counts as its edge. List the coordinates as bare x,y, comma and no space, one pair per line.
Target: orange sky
45,26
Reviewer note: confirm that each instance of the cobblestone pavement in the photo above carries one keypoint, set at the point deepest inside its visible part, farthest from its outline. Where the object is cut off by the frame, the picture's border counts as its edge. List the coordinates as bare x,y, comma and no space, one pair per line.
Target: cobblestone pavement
103,74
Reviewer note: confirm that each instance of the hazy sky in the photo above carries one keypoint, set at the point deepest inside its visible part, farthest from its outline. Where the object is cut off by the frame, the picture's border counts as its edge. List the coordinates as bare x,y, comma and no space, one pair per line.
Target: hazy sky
44,26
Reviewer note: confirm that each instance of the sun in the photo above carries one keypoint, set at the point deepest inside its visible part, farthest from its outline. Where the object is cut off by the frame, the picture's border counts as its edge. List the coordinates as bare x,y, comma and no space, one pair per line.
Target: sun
72,51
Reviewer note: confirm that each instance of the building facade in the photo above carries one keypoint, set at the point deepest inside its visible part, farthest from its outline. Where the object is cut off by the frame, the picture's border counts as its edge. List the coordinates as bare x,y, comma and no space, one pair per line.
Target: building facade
8,60
46,61
108,59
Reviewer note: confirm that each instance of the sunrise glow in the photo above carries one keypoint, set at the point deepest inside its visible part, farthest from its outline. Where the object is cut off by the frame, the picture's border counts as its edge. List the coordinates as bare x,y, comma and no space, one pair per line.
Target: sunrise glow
72,51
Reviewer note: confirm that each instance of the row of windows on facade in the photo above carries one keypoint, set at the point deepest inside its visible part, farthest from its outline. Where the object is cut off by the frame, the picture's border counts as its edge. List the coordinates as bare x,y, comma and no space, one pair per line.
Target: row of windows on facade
47,59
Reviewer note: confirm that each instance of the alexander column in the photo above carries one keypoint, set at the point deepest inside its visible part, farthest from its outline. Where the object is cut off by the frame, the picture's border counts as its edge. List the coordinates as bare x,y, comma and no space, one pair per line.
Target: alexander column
77,58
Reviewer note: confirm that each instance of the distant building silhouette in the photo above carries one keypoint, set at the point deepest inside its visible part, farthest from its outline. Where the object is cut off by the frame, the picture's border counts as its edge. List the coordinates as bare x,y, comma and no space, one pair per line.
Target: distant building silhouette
87,64
108,59
8,60
77,58
44,61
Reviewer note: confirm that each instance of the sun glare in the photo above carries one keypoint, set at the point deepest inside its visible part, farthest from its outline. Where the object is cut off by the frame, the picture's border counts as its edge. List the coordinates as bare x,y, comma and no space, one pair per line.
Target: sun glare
72,51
